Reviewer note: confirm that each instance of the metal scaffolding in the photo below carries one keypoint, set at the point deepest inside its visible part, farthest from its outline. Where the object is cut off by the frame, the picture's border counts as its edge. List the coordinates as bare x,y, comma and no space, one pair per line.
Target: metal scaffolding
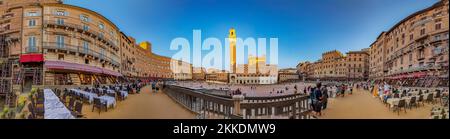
6,72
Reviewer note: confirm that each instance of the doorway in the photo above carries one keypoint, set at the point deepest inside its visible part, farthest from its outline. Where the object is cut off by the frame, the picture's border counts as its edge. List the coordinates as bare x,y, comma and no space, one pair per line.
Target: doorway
28,83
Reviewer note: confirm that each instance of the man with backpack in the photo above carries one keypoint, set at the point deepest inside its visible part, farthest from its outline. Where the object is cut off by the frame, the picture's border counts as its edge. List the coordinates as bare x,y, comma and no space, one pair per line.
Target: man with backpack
317,102
325,96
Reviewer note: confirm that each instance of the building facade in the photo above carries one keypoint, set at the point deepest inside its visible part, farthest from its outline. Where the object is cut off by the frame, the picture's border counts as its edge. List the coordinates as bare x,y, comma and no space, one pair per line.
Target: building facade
127,56
217,76
181,70
257,71
48,43
336,66
358,65
415,47
198,74
61,44
303,69
161,68
289,74
139,61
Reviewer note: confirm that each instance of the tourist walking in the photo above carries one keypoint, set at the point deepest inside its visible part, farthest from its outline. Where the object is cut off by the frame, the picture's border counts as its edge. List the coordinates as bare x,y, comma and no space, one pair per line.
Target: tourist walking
343,90
351,90
338,91
312,98
318,99
324,97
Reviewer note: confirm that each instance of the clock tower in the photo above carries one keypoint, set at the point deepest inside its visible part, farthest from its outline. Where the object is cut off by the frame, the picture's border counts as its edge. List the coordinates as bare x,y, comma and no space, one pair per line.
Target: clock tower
232,38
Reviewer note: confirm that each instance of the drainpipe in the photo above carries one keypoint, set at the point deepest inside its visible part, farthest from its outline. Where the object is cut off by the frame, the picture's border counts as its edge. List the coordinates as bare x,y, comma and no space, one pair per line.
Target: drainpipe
42,45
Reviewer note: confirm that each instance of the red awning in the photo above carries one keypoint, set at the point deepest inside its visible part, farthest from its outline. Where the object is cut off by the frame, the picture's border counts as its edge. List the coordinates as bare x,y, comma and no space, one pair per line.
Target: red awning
61,65
29,58
110,72
419,74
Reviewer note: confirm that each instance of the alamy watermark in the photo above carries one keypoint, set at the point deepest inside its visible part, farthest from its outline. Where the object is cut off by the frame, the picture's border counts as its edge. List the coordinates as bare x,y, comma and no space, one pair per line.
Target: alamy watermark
219,55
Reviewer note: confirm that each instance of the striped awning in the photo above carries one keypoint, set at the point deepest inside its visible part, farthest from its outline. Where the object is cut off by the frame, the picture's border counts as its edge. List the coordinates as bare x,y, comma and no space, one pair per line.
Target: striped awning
110,72
61,65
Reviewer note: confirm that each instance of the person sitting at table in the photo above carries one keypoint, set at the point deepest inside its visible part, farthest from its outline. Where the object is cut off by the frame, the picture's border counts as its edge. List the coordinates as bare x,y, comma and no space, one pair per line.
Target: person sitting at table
396,91
129,88
138,90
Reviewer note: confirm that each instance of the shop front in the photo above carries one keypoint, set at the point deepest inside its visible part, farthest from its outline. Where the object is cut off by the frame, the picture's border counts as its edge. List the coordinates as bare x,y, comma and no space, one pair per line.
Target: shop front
65,73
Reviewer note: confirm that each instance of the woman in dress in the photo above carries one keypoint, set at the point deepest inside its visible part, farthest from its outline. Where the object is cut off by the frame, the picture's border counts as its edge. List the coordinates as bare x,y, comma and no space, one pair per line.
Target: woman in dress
375,90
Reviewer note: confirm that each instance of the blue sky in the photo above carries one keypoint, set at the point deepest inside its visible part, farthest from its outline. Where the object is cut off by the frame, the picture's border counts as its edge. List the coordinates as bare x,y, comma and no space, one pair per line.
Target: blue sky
305,28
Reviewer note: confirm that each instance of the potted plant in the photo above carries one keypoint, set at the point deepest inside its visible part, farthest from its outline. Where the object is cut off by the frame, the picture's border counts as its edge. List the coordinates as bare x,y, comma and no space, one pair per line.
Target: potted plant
32,92
4,113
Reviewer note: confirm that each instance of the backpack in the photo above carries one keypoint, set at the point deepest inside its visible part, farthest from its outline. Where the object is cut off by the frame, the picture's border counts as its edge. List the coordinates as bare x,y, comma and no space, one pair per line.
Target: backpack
318,94
312,95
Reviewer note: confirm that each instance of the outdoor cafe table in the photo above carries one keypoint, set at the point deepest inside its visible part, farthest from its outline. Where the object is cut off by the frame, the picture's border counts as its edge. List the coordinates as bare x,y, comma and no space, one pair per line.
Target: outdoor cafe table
394,101
54,108
124,93
110,101
109,91
415,93
436,113
86,94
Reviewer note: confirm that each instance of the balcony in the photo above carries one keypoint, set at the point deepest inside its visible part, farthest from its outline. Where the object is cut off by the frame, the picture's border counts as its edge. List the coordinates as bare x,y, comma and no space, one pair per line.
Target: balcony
438,51
79,28
420,58
31,50
9,31
421,22
411,48
79,50
438,39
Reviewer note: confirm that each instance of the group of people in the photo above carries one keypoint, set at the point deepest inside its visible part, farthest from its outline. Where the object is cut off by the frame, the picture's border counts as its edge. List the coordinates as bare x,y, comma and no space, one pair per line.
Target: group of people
319,98
157,85
340,90
134,87
383,90
279,91
236,92
320,94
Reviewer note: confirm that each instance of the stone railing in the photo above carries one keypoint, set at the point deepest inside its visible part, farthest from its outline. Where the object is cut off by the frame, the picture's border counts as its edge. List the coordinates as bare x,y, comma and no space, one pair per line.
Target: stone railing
215,106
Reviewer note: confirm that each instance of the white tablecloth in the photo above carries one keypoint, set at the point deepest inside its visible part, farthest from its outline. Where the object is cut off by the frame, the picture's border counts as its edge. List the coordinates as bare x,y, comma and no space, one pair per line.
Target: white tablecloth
394,101
109,91
124,94
110,101
54,108
437,112
90,96
415,93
